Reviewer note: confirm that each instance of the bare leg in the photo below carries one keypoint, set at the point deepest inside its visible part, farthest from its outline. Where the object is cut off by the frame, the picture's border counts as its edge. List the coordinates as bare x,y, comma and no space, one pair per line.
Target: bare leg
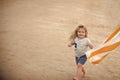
79,71
84,72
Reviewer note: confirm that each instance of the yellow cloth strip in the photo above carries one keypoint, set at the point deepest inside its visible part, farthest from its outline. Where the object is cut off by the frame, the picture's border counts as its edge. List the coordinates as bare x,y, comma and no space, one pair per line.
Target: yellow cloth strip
97,61
109,44
104,49
112,35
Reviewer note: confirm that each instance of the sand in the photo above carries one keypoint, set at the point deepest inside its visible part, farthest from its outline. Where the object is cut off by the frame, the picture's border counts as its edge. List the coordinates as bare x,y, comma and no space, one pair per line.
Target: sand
34,36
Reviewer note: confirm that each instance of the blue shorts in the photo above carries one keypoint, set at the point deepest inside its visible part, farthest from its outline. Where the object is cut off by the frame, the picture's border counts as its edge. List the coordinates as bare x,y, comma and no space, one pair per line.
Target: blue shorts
81,59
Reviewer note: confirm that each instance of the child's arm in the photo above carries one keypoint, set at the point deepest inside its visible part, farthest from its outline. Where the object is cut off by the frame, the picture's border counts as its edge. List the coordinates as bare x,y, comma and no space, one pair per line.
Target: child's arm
70,44
91,46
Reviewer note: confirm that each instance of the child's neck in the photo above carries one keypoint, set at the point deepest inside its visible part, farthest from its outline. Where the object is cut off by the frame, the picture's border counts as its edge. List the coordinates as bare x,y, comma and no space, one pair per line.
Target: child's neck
81,37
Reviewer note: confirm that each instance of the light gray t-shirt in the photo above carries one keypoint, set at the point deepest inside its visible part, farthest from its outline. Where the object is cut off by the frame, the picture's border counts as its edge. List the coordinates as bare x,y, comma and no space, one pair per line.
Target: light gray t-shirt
81,46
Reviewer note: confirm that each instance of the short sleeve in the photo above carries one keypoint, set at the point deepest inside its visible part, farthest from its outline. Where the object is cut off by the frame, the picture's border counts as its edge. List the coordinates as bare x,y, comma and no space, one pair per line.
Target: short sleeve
89,42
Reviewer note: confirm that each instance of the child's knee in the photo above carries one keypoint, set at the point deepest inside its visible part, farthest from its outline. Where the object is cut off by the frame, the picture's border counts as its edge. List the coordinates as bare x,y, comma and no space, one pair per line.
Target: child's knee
79,66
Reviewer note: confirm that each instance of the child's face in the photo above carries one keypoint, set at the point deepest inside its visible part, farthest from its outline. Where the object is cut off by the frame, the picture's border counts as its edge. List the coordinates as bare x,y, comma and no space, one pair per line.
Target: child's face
81,33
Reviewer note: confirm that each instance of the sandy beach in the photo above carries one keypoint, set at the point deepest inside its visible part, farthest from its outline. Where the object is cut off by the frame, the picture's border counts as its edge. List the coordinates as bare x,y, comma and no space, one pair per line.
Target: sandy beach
34,36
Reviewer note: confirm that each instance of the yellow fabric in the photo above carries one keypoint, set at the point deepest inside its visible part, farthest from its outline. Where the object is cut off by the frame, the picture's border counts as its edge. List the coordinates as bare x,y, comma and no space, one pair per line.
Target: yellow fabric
96,55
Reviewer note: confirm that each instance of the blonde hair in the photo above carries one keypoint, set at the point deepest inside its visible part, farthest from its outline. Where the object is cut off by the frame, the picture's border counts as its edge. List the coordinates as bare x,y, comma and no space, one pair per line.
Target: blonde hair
74,34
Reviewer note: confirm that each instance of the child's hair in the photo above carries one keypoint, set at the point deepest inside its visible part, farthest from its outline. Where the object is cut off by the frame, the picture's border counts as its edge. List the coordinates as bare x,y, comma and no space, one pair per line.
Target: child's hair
74,34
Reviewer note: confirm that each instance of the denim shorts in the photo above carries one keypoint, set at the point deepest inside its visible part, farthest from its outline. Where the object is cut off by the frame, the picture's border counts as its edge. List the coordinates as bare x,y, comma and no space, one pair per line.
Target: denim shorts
81,59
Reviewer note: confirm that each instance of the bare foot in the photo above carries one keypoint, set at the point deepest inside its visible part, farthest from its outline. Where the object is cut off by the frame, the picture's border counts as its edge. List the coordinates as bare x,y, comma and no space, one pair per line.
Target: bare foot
75,78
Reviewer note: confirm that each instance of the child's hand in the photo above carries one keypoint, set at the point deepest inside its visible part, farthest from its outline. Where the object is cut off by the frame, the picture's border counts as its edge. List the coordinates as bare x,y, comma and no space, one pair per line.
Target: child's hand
70,44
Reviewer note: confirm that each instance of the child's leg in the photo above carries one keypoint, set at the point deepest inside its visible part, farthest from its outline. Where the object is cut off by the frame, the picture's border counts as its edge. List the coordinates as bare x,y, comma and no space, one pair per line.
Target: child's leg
84,72
79,71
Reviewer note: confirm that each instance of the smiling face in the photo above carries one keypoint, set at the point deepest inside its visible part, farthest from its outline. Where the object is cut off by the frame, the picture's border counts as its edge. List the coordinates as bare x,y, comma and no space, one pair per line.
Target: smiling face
81,33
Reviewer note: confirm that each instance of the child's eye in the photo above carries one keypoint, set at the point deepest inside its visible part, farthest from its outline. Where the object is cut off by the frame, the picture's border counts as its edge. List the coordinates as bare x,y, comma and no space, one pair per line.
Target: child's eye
83,32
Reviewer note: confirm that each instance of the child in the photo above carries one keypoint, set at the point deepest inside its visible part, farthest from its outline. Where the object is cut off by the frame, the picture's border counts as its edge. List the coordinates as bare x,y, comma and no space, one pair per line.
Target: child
81,42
